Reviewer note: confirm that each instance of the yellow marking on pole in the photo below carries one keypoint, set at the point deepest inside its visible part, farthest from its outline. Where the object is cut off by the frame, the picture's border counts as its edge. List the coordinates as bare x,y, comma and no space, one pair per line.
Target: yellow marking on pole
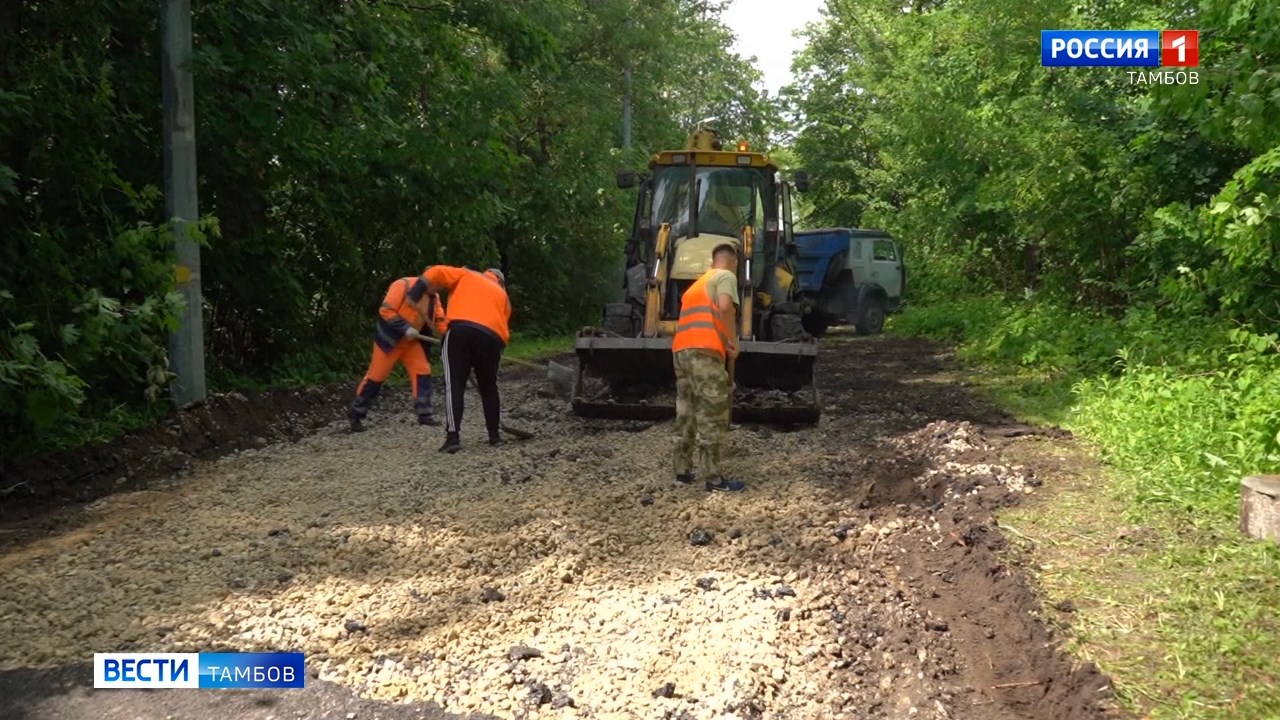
182,274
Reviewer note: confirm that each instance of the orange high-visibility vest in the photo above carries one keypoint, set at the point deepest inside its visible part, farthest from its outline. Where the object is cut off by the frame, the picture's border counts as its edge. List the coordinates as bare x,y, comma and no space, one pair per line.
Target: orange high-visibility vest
700,326
397,303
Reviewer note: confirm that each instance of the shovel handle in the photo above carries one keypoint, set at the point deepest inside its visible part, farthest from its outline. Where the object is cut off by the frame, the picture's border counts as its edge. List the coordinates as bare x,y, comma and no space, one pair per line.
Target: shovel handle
526,363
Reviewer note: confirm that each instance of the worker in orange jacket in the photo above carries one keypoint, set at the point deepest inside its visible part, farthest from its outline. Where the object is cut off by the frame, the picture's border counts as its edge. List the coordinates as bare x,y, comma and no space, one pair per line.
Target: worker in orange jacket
408,313
477,335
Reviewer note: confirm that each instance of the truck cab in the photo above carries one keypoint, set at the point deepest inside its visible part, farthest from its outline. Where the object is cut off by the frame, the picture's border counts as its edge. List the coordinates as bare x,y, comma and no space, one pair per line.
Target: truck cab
848,276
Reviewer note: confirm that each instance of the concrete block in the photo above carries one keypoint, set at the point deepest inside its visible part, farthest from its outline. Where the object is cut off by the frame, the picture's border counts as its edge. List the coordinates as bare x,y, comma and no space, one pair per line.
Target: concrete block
1260,507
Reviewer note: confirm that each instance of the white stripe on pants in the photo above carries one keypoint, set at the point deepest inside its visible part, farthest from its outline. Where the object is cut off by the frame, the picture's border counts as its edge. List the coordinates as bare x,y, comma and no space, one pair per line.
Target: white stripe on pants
450,426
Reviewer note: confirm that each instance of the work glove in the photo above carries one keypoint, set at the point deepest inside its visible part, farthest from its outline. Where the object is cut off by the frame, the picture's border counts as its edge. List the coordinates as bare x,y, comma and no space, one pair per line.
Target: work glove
413,334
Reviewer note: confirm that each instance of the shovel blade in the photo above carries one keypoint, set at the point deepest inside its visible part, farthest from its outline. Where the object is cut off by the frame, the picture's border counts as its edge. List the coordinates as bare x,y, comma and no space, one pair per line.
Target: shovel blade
561,379
516,432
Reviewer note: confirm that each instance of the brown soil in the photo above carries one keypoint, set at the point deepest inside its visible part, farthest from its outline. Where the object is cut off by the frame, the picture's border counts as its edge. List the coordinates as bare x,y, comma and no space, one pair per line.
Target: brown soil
859,576
48,491
221,424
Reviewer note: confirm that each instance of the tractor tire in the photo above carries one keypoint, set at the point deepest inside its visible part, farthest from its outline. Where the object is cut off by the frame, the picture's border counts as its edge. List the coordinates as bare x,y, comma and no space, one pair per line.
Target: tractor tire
815,323
871,316
619,319
785,326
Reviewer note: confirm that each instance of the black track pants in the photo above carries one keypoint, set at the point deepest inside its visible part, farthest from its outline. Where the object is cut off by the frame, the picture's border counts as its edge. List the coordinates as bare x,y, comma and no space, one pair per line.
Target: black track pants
467,348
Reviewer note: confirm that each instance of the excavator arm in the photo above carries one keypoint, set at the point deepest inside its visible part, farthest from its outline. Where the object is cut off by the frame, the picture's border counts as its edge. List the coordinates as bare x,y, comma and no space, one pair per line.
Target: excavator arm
748,289
656,286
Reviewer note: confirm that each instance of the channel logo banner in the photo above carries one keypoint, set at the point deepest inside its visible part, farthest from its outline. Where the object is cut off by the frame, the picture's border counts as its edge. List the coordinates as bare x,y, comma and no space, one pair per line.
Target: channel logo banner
270,671
146,670
1100,48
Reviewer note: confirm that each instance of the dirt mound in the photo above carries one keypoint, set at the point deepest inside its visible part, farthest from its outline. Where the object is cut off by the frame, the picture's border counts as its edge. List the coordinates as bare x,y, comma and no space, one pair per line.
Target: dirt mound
986,609
221,424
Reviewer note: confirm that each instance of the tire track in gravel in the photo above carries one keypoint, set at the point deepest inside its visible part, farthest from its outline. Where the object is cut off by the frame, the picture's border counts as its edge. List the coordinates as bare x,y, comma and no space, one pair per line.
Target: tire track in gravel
858,577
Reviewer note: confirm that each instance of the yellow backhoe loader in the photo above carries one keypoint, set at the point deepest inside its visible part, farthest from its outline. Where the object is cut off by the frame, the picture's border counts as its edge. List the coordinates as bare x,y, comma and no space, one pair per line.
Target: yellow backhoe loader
690,201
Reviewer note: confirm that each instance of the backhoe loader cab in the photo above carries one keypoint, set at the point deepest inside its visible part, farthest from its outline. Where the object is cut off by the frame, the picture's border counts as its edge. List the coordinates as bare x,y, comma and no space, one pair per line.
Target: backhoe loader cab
690,201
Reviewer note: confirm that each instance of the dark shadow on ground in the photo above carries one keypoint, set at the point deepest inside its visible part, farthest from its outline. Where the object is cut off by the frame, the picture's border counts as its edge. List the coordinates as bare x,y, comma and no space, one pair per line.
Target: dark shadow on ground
67,693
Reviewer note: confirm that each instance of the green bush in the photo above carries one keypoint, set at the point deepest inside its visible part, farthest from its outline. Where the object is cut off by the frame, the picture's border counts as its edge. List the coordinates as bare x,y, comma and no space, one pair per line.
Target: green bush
1185,406
88,353
1187,433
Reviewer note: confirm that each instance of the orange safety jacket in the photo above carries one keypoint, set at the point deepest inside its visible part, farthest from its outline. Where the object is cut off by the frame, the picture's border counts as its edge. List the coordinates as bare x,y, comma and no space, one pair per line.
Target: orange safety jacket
700,326
476,299
401,309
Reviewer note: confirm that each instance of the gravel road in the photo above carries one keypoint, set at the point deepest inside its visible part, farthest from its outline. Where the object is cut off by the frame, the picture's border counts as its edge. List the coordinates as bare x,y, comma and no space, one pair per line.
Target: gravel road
567,576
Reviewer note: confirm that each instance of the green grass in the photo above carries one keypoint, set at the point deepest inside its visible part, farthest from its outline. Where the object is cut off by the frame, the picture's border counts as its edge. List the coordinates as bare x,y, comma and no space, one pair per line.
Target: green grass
102,425
1037,397
538,347
1175,603
347,365
1182,618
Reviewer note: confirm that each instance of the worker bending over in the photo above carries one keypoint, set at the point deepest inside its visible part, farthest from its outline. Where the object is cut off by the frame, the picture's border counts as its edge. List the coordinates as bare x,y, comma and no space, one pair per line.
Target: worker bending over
408,313
704,340
477,335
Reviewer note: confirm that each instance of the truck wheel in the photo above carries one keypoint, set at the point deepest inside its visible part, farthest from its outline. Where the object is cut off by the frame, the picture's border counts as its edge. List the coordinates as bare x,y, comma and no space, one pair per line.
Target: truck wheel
815,323
871,319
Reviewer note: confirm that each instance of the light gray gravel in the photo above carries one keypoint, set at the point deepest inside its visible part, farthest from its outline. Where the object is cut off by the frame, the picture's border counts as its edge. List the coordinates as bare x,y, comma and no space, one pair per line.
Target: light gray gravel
378,557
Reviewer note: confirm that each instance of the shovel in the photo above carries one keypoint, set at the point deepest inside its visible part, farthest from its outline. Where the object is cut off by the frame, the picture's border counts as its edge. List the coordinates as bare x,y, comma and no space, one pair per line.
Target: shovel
732,389
559,377
732,362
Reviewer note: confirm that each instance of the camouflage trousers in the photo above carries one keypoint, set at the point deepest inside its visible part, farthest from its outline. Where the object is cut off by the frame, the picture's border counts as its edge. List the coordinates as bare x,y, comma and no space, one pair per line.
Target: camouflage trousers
702,412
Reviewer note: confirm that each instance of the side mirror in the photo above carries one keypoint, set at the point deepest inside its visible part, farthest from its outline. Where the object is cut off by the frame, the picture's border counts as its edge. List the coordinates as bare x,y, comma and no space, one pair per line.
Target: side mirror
626,179
802,181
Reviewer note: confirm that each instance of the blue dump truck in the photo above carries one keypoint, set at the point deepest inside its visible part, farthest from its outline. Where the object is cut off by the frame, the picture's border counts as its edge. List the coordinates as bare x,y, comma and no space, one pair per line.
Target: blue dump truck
848,276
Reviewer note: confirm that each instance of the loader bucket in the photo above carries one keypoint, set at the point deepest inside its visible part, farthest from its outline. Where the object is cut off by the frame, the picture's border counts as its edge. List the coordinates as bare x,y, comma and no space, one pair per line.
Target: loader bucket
775,383
623,378
633,379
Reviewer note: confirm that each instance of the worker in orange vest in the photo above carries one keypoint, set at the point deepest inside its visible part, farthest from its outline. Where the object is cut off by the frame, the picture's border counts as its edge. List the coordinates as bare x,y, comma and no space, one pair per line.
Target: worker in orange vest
477,335
704,341
408,313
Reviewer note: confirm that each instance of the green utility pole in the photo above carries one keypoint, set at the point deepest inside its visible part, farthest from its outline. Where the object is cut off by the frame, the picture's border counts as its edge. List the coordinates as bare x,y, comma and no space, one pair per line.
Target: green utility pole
186,345
626,98
626,113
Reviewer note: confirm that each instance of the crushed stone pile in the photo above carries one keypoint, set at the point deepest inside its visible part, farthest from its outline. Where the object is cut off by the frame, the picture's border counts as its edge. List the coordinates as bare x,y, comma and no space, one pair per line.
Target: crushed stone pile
563,577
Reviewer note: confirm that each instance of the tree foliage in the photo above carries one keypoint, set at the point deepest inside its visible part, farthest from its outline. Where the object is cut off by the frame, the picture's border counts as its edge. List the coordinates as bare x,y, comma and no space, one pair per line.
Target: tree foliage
340,145
938,122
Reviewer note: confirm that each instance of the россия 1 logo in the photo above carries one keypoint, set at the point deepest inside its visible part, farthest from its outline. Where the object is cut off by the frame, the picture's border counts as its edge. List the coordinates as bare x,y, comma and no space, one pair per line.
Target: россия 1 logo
1126,48
1180,48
